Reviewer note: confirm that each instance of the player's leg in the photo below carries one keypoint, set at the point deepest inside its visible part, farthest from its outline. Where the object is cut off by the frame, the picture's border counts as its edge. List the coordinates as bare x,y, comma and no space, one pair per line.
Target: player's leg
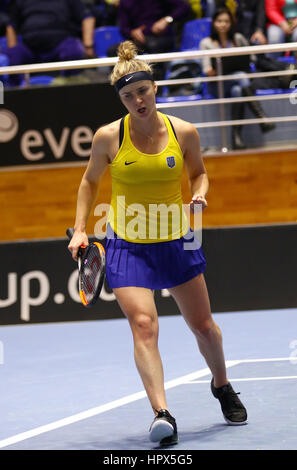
193,301
139,307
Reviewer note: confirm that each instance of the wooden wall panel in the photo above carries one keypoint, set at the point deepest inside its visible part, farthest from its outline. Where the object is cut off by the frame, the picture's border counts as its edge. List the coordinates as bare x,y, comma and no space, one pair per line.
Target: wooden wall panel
244,189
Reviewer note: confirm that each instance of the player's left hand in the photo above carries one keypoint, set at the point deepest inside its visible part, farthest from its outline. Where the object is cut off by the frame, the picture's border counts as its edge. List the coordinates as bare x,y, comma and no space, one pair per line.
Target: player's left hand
198,199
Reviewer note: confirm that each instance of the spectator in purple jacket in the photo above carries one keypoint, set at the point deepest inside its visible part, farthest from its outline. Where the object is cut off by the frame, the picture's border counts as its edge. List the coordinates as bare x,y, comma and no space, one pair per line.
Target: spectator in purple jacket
50,31
151,25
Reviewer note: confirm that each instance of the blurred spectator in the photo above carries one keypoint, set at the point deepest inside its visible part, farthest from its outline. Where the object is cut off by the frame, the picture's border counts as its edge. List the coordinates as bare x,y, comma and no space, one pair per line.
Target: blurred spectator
282,17
209,8
251,20
223,35
50,31
203,8
4,18
249,16
151,26
232,6
197,8
104,11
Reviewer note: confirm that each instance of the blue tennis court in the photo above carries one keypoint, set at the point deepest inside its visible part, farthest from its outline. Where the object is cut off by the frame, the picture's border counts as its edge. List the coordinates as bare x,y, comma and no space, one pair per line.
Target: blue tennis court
74,386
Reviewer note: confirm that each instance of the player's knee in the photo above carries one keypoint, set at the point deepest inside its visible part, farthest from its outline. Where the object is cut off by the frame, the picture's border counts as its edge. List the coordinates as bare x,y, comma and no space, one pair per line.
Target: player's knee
203,329
144,326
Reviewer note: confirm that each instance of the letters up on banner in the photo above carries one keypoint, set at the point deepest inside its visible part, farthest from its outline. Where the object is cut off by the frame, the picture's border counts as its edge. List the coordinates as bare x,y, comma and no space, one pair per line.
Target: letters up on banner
38,279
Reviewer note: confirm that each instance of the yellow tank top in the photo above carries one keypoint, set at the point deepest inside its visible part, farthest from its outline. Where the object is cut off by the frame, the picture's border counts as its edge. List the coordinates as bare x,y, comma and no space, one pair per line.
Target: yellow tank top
146,202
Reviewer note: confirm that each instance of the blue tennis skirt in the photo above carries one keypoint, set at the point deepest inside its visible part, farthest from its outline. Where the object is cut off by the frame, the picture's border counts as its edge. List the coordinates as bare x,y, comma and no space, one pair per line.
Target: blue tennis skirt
155,266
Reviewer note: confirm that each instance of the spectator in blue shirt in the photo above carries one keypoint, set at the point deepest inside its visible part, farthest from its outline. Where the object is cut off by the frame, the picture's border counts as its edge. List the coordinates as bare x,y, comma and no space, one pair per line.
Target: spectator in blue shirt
50,31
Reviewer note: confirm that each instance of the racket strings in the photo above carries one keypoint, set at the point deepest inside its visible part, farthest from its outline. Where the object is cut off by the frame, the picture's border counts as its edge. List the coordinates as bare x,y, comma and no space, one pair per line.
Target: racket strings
91,272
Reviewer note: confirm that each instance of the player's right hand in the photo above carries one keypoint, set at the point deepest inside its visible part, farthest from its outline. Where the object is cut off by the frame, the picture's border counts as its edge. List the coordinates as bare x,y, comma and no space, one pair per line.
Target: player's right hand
79,240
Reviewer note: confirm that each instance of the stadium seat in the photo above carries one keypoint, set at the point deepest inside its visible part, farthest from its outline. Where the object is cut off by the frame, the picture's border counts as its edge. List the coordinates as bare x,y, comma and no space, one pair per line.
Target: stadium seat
39,80
3,60
179,69
34,79
288,59
269,91
273,91
104,37
193,32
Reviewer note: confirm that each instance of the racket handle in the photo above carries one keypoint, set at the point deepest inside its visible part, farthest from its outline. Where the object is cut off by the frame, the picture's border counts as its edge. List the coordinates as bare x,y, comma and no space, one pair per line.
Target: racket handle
70,233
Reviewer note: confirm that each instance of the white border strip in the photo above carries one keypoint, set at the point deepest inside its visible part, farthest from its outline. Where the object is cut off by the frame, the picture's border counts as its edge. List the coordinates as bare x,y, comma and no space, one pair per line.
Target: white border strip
103,408
151,58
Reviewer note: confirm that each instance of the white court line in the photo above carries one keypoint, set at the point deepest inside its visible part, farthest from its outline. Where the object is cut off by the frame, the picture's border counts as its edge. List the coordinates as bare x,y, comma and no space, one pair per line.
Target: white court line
103,408
246,361
270,359
285,377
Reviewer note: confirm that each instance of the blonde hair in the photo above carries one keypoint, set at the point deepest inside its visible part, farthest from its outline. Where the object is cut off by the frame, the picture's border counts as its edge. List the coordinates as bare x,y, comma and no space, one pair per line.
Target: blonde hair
127,63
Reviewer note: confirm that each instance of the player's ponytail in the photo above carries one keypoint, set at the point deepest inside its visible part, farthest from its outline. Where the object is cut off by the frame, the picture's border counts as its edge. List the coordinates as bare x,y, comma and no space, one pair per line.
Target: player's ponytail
127,62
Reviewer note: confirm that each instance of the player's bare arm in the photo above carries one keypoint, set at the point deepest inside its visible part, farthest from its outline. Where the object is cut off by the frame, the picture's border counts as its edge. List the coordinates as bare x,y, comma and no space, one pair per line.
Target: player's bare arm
189,141
101,155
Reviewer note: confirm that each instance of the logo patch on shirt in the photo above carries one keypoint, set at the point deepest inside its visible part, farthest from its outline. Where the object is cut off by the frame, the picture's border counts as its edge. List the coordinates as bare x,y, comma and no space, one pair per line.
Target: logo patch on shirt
170,161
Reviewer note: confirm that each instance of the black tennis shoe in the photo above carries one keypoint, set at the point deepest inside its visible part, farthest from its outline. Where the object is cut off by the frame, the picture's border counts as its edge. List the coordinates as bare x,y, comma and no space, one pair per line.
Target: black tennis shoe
163,429
233,410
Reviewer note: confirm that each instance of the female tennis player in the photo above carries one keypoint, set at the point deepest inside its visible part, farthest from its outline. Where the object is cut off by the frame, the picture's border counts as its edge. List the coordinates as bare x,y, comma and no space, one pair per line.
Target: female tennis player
145,152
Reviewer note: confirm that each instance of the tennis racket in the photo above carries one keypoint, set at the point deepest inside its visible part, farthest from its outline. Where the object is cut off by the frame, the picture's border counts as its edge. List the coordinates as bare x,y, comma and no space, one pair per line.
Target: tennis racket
91,270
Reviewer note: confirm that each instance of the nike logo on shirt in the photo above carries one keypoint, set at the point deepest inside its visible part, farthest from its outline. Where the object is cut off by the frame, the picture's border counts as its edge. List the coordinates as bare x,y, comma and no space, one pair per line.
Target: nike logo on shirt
129,163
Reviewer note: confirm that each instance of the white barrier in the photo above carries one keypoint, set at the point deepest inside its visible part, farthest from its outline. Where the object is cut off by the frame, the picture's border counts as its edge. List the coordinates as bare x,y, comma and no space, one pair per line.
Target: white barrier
199,54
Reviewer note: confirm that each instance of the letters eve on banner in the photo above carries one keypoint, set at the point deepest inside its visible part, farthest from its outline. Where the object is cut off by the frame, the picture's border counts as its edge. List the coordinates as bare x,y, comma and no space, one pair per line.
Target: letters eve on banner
54,124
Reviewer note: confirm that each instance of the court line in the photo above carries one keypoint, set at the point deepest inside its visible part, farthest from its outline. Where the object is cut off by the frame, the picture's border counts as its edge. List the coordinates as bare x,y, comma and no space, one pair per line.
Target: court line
285,377
270,359
103,408
247,361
